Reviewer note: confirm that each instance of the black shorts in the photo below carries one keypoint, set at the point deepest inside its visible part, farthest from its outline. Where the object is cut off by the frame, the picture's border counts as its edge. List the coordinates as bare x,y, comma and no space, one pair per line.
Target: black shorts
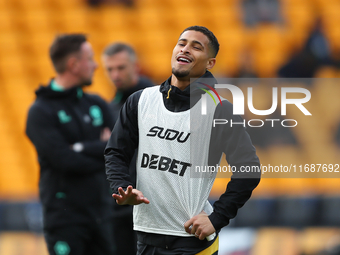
90,239
167,245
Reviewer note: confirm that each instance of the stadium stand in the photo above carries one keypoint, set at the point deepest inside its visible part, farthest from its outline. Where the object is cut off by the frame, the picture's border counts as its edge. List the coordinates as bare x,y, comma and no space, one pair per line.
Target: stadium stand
28,27
24,39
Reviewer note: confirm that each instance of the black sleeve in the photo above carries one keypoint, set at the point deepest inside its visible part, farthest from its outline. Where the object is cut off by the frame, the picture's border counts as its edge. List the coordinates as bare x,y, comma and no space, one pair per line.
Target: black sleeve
96,148
42,129
122,144
232,139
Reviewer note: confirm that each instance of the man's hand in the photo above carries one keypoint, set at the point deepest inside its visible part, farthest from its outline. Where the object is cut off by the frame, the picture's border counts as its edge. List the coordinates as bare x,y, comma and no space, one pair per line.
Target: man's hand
130,197
105,134
200,226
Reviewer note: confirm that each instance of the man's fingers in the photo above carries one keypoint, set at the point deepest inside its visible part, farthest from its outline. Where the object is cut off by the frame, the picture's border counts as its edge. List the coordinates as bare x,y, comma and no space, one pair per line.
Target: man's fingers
188,226
197,234
130,196
121,191
141,199
193,230
201,236
125,193
145,200
128,190
116,196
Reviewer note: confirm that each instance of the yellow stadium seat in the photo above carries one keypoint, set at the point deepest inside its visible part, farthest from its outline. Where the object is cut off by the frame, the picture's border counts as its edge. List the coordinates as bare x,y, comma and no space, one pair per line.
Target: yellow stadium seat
150,18
74,20
333,35
328,186
314,240
322,6
113,18
9,44
325,93
68,5
35,21
299,16
30,244
186,17
146,4
270,50
7,21
225,15
232,43
279,241
27,6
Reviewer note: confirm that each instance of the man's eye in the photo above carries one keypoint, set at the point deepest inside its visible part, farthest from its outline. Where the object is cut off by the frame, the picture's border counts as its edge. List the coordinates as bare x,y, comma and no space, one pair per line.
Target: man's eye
181,44
197,48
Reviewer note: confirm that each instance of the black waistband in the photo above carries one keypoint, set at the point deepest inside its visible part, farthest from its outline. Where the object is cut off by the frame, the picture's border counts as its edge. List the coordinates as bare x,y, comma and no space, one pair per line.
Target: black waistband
172,242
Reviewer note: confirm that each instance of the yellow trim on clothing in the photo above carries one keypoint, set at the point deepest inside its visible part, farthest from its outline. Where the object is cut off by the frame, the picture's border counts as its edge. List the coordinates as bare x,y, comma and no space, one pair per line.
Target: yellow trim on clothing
169,93
211,249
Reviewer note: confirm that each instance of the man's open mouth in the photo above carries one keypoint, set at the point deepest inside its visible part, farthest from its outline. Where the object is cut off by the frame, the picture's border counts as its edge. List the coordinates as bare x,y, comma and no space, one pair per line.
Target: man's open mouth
183,59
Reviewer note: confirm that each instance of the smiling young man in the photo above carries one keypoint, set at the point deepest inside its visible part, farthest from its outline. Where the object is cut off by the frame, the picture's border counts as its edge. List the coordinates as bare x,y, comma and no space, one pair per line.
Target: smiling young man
172,214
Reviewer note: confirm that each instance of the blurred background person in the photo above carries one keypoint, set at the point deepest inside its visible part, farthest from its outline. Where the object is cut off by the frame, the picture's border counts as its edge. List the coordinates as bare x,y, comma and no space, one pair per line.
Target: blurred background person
96,3
122,69
69,129
314,54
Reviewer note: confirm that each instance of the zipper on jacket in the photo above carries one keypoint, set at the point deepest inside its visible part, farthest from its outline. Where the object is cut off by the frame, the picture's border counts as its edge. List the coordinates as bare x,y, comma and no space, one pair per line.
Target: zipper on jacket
169,93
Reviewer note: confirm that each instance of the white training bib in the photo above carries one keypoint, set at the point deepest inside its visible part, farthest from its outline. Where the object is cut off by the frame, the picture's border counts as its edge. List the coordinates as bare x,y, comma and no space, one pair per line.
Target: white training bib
165,162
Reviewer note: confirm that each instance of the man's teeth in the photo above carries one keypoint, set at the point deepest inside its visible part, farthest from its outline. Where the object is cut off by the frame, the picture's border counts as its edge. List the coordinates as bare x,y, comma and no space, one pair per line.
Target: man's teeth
184,59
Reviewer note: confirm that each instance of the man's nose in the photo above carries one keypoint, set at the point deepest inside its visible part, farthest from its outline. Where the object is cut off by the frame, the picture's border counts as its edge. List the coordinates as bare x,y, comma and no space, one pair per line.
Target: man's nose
114,74
185,49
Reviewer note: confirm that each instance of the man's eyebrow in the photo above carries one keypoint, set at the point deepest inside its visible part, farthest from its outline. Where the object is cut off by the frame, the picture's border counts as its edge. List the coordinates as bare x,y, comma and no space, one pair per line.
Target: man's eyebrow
194,41
182,39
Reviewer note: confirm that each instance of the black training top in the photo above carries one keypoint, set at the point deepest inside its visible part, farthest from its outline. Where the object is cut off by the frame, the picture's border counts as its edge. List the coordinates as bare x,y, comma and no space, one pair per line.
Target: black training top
73,186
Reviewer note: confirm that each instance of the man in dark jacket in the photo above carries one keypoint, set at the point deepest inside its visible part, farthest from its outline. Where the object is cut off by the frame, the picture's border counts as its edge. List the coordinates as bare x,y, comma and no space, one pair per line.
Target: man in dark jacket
122,68
69,129
172,214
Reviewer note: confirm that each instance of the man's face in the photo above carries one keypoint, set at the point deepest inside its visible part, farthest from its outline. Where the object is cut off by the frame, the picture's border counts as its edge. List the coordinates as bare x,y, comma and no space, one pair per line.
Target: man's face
121,69
85,64
191,56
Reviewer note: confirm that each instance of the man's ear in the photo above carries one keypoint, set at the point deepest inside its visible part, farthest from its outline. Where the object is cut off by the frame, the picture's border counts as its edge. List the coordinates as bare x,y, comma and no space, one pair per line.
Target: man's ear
137,67
72,64
211,63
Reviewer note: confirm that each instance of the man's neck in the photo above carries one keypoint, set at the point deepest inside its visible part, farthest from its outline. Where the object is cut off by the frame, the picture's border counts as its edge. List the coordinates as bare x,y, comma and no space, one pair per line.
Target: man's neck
180,83
135,80
65,81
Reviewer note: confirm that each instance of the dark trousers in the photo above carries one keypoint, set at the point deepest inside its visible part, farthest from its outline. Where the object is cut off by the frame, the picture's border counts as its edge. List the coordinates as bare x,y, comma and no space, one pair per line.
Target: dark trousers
145,249
125,240
89,239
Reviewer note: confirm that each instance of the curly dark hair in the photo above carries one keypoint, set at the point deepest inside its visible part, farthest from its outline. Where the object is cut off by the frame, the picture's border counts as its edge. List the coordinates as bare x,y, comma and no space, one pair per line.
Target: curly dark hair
213,42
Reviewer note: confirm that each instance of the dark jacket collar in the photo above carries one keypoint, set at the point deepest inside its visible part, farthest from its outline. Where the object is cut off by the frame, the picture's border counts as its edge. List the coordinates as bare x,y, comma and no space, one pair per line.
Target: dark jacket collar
192,89
47,92
180,100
